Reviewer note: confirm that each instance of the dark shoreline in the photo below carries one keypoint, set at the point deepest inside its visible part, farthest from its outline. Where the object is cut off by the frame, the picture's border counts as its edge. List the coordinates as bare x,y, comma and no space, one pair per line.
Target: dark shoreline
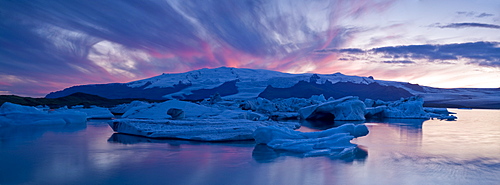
87,100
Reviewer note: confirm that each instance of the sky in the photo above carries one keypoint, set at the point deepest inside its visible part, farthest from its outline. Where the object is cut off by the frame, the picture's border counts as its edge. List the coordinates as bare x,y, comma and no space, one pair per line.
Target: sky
47,46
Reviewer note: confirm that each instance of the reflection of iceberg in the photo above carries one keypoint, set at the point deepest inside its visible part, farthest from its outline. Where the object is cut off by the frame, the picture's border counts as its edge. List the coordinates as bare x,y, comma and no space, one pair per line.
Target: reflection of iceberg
409,130
131,139
410,124
325,124
17,134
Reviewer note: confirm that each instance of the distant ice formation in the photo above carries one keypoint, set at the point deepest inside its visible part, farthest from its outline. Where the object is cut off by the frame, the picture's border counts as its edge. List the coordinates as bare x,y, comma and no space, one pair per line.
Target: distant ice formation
13,114
95,112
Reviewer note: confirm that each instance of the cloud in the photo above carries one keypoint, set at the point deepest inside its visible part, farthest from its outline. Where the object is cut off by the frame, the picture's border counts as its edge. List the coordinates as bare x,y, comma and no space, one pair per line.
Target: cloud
347,50
469,25
488,51
485,54
485,15
61,42
474,14
398,62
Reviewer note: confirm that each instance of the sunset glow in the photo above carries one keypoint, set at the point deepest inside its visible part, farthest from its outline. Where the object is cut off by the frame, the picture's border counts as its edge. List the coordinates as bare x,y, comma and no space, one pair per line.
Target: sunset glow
51,45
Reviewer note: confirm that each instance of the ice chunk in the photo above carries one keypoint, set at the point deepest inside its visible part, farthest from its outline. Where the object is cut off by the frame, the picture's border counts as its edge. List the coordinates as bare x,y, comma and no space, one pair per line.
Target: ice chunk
285,116
122,108
319,98
198,129
241,114
437,110
347,108
159,110
369,102
96,112
440,113
374,111
411,108
13,114
333,141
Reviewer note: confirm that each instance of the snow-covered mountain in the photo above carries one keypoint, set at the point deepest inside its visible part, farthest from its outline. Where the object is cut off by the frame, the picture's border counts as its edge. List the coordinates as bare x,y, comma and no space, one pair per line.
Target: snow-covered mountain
239,83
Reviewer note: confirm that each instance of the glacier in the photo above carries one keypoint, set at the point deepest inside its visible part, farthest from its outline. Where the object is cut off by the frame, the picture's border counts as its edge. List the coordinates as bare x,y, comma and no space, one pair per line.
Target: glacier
240,83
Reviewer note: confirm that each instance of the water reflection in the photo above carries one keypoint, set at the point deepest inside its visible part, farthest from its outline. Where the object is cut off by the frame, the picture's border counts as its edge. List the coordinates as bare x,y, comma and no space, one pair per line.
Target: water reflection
264,154
400,152
131,139
15,135
323,125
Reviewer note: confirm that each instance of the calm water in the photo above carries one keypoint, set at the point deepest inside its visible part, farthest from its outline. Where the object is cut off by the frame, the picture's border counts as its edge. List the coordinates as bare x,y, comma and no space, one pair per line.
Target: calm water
466,151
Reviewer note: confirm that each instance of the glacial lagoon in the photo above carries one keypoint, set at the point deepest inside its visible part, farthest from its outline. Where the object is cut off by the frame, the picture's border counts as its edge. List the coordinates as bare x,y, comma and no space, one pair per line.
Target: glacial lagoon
466,151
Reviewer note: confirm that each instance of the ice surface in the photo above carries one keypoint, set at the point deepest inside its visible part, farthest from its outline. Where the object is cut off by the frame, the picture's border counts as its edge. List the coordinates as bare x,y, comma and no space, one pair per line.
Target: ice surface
159,110
347,108
241,114
411,108
96,112
197,129
13,114
334,141
122,108
373,111
440,113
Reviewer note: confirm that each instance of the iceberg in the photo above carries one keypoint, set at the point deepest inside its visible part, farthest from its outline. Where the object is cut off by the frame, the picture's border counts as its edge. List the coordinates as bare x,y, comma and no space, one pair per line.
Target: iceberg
440,113
374,111
14,114
122,108
198,129
332,142
409,108
348,108
96,112
160,110
241,114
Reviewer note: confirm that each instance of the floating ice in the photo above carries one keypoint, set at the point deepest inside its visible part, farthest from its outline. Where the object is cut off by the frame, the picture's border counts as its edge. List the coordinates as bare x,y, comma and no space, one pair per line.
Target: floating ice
96,112
411,108
122,108
334,141
159,110
199,129
13,114
346,108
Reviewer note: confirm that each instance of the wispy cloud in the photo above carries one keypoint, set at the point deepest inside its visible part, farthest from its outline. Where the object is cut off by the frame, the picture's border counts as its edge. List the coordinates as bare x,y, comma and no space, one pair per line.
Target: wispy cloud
398,62
63,42
469,25
485,15
486,54
474,14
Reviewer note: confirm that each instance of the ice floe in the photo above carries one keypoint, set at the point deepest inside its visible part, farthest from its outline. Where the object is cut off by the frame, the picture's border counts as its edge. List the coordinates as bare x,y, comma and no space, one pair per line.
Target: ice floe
347,108
14,114
121,109
411,108
95,112
160,110
198,129
332,142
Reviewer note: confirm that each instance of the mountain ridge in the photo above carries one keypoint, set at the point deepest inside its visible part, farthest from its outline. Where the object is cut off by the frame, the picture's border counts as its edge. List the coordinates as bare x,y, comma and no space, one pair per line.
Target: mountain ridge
242,83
